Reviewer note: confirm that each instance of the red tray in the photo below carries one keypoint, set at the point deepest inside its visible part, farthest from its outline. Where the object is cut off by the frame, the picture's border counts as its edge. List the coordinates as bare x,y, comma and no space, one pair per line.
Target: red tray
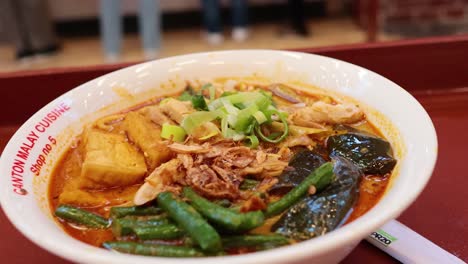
434,70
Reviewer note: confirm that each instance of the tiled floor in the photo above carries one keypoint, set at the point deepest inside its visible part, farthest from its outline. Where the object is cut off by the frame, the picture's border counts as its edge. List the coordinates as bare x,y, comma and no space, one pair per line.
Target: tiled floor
87,51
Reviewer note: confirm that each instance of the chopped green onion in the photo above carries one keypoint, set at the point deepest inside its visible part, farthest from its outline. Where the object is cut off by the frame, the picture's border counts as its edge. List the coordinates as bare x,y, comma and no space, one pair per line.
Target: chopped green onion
232,134
205,86
199,103
240,105
260,117
259,132
237,136
274,135
212,90
224,127
205,131
242,97
264,103
196,119
228,132
241,115
267,93
269,112
283,114
251,141
230,108
270,96
250,128
227,93
175,132
232,119
244,118
210,135
187,94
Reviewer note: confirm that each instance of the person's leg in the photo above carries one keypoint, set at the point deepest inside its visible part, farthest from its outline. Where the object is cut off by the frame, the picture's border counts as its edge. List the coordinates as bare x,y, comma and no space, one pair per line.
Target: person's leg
297,17
239,19
212,21
150,27
111,28
15,32
39,27
239,13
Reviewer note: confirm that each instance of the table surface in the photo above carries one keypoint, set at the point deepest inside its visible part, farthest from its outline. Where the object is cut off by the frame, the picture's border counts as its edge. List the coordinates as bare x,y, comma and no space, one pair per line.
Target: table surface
434,70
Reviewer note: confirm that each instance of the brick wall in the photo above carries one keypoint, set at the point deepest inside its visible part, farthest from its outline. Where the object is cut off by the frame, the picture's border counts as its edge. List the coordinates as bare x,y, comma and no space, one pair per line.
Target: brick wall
424,17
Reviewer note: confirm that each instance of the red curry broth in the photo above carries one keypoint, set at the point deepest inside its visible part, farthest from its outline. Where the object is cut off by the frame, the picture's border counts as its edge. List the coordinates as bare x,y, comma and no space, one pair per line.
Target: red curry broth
371,189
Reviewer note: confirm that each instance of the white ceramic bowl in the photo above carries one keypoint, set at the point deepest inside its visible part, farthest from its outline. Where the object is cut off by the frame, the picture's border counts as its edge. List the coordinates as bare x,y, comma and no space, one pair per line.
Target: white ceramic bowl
398,115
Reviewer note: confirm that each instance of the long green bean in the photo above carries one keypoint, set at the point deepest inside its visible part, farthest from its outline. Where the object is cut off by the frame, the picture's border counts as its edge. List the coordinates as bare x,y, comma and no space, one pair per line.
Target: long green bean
80,216
217,214
261,241
152,249
224,217
320,177
121,211
167,231
125,226
251,220
191,221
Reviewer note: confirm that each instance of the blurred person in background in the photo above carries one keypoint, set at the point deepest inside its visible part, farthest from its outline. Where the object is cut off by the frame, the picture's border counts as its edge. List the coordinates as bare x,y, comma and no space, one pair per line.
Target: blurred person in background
111,28
28,27
296,20
212,21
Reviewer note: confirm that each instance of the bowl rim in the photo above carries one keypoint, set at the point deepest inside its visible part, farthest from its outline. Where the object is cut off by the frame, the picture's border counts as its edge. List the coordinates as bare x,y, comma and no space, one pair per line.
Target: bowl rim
288,253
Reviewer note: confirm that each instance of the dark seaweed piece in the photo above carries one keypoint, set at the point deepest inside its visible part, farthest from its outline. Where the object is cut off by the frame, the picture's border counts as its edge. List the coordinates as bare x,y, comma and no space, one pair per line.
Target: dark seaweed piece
300,166
371,154
323,212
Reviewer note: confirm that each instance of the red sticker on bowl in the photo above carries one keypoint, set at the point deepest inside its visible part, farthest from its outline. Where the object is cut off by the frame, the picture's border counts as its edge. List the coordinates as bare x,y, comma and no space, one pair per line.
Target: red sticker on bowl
22,156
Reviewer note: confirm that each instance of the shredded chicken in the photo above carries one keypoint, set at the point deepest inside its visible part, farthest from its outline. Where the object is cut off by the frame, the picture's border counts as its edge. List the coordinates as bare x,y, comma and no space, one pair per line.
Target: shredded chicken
158,181
271,166
239,157
321,112
176,109
261,156
300,140
204,180
146,193
186,159
186,149
218,148
252,170
214,169
155,114
285,153
227,175
230,85
127,147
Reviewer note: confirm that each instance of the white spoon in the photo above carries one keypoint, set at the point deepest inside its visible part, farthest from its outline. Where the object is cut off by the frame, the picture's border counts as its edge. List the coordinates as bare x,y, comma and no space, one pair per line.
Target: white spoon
409,247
